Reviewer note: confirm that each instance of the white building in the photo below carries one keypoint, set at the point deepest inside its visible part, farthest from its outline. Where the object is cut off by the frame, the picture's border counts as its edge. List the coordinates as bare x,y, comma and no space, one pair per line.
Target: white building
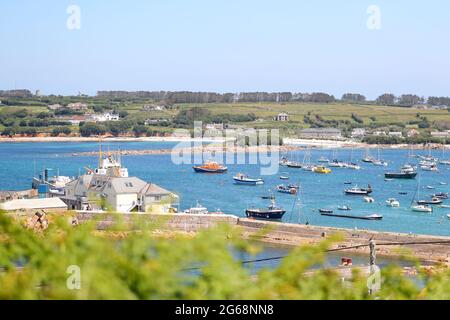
110,188
441,134
105,117
77,106
358,133
320,133
281,117
395,134
55,106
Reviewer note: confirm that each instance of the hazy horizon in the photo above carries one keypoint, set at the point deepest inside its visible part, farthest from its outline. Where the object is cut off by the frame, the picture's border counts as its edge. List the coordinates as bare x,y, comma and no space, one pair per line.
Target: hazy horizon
227,46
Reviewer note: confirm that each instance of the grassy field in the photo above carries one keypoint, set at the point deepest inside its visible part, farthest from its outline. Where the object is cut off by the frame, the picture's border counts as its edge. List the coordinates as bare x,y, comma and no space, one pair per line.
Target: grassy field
333,111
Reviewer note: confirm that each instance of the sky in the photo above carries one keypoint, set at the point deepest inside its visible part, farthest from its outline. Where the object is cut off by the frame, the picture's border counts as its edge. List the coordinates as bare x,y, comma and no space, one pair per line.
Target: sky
226,46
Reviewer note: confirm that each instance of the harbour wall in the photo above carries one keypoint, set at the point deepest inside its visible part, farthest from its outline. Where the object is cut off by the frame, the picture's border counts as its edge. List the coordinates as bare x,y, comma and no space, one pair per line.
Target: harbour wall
424,247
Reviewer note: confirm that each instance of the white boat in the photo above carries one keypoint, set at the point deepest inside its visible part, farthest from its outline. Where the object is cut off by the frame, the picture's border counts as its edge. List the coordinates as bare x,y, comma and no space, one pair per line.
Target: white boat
323,159
443,183
369,199
246,180
448,216
422,208
429,168
392,202
430,187
446,206
198,209
445,162
352,165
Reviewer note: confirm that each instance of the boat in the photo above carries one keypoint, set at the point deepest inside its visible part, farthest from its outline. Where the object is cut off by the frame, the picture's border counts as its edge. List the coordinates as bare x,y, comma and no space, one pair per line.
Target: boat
295,186
323,160
392,202
321,169
347,182
294,164
367,157
198,209
352,165
431,167
388,179
433,200
284,177
272,212
246,180
285,189
448,216
308,167
359,191
344,208
441,195
336,164
422,208
442,183
379,161
325,211
366,217
403,192
405,173
210,167
369,199
283,161
430,187
446,206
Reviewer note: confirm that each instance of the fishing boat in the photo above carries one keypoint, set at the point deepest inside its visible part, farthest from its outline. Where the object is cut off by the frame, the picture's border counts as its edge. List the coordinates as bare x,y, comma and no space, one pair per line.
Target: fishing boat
246,180
321,169
359,191
210,167
325,211
392,202
405,173
422,208
366,217
286,189
344,208
272,212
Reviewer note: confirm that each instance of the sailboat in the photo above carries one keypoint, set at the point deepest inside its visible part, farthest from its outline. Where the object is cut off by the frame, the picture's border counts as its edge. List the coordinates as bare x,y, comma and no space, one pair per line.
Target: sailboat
306,165
443,160
367,157
351,164
379,161
420,207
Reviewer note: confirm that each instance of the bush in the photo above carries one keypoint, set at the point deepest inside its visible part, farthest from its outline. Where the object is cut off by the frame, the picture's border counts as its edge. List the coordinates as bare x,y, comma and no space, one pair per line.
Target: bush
92,129
61,130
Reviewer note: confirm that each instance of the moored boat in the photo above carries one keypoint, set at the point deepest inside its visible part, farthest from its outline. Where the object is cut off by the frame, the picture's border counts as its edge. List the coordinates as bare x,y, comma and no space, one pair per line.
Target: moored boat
210,167
272,212
286,189
366,217
408,173
433,200
325,211
344,208
321,169
359,191
392,202
246,180
422,208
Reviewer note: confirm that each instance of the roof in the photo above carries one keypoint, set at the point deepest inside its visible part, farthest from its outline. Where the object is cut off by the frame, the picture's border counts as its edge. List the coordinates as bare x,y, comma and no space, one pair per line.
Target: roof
127,185
330,130
43,203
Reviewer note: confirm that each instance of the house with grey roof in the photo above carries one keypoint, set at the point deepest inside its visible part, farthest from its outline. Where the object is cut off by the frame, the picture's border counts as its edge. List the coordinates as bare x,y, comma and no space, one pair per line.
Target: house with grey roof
320,133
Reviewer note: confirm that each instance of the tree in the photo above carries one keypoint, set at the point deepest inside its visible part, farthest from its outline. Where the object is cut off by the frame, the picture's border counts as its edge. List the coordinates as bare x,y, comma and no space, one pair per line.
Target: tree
409,100
386,99
90,128
353,97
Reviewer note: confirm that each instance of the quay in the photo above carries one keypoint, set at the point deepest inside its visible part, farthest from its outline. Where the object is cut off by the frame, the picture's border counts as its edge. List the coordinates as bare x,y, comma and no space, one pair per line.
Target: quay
424,247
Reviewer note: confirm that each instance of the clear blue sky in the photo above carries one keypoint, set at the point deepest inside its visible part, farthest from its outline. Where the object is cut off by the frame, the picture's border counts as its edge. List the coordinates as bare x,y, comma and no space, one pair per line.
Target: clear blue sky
226,46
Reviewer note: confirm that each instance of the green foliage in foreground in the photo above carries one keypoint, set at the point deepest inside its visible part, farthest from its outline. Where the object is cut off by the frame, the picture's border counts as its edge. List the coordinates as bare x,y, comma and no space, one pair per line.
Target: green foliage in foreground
125,264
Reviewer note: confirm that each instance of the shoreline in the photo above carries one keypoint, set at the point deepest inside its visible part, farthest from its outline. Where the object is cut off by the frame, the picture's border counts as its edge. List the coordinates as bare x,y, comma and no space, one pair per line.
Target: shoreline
294,142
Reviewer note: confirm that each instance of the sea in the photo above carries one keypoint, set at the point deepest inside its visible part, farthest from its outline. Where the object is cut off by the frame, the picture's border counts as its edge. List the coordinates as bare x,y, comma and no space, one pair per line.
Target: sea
19,161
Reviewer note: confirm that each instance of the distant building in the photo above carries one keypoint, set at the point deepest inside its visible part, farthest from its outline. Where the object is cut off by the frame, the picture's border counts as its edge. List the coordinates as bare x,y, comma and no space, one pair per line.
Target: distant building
105,117
77,106
441,134
358,133
379,133
214,126
76,119
320,133
281,117
412,133
54,107
149,122
395,134
152,107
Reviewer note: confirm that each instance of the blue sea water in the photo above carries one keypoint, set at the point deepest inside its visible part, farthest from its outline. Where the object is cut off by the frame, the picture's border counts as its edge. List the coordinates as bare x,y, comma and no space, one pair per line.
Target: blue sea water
18,162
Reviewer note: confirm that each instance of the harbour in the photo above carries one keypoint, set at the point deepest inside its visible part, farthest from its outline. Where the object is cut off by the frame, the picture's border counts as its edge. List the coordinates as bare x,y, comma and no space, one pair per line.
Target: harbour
220,192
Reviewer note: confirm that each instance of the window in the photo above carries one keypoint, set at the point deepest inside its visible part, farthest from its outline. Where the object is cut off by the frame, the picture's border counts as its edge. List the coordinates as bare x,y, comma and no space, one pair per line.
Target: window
129,184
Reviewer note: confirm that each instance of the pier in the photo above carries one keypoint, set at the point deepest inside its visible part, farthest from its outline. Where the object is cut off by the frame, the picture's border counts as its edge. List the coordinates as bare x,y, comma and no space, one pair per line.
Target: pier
424,247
